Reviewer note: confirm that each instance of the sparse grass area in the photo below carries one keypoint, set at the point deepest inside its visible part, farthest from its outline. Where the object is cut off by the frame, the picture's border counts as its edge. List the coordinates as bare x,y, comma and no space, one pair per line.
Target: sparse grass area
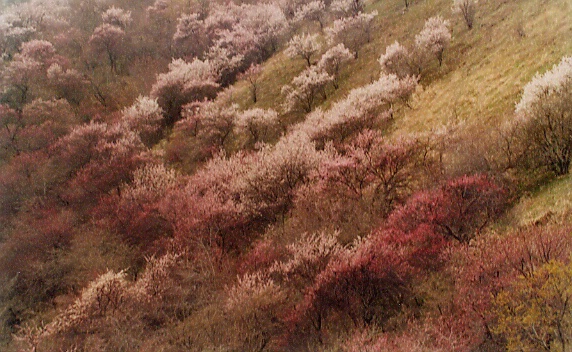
486,68
554,198
278,71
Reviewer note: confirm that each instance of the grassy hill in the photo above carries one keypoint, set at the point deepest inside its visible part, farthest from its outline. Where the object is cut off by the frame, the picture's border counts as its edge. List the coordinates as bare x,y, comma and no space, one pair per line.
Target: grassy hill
484,69
479,83
166,226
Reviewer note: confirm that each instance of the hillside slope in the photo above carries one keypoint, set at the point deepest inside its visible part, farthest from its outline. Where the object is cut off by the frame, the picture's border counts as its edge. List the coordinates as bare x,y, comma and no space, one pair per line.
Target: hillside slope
340,208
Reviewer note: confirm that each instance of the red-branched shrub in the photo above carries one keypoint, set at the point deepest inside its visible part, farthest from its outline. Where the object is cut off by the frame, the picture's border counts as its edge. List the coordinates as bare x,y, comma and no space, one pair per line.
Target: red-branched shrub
263,254
95,159
373,169
134,213
369,284
458,210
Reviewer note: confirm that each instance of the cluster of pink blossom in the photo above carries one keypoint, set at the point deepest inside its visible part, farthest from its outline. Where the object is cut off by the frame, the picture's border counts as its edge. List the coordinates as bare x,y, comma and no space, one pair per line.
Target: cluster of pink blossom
111,295
117,17
39,50
159,6
306,89
252,287
396,60
370,281
20,21
103,296
149,184
231,192
311,84
277,171
307,258
29,68
36,127
135,209
305,46
360,108
68,83
373,170
247,31
144,117
254,307
354,32
153,283
311,11
332,60
109,36
97,157
211,122
184,83
191,36
542,126
434,38
431,42
347,8
258,123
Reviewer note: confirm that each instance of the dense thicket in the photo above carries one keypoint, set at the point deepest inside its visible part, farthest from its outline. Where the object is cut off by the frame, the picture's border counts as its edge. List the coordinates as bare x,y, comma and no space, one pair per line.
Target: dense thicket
210,175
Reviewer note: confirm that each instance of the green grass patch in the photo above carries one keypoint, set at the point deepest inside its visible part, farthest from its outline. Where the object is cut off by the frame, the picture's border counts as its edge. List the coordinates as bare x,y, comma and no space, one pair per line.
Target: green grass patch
553,198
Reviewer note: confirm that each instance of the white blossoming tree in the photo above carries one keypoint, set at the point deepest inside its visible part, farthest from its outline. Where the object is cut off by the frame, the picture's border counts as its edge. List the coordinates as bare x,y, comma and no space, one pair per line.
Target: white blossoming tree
144,117
354,32
312,11
258,123
306,89
544,118
396,60
332,60
467,9
434,38
304,46
184,83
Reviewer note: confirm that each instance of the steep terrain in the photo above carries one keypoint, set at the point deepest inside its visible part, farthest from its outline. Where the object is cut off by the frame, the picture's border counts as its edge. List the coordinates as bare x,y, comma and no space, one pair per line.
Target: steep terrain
181,175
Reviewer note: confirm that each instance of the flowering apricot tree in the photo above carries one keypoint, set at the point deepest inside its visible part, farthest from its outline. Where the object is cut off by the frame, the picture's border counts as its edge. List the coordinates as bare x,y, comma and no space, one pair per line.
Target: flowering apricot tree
354,32
332,61
184,83
144,117
305,46
258,123
396,60
544,119
191,36
434,38
373,170
108,38
306,89
311,11
467,9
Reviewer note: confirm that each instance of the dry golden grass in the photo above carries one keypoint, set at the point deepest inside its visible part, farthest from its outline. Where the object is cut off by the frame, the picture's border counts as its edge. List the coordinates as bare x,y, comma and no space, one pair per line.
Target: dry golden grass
553,199
277,72
486,68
